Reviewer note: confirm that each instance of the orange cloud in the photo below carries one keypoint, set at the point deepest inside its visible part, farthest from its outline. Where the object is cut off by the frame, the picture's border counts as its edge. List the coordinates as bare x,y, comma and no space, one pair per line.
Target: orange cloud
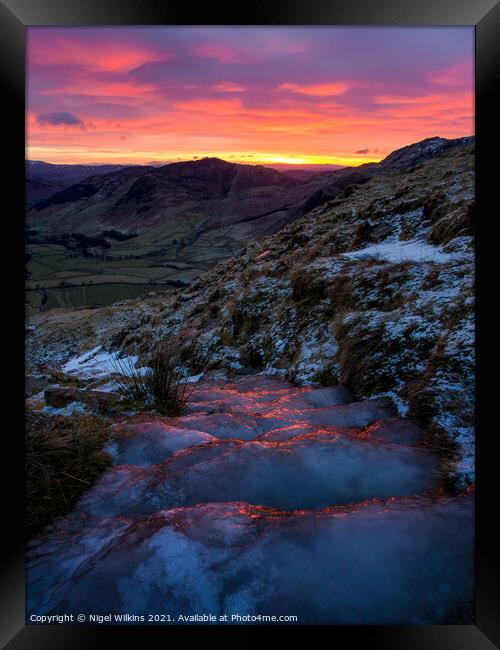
103,89
226,128
402,99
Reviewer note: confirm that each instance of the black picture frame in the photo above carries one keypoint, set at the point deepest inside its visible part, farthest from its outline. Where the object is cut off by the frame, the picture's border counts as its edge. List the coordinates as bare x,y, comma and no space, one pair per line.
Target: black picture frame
15,16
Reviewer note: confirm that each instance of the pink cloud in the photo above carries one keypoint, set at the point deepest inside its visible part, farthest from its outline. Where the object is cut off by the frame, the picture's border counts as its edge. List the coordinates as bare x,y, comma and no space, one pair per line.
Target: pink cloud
455,75
229,87
316,90
216,106
219,51
109,57
404,99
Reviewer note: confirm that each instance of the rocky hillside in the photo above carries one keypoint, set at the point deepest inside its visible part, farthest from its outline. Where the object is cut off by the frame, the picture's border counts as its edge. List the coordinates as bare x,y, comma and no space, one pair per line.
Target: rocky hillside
372,289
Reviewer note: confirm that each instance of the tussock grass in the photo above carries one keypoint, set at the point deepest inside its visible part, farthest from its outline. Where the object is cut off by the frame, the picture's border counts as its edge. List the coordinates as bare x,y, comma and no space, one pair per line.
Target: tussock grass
341,293
326,377
457,223
163,386
64,457
306,285
65,379
195,356
244,324
359,357
167,383
131,382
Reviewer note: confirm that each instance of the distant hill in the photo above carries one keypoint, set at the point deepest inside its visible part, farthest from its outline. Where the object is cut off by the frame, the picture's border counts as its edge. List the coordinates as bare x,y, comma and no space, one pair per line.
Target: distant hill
303,175
44,179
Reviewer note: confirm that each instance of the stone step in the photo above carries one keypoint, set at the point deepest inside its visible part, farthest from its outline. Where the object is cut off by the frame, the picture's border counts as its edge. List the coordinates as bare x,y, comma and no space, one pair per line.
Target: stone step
311,471
400,561
264,498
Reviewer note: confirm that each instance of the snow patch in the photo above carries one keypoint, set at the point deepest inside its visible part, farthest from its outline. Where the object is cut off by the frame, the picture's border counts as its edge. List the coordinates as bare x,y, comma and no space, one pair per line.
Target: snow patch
414,250
73,408
99,363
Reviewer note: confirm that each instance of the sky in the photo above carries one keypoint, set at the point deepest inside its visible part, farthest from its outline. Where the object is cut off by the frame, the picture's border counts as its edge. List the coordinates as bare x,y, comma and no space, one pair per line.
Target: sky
303,96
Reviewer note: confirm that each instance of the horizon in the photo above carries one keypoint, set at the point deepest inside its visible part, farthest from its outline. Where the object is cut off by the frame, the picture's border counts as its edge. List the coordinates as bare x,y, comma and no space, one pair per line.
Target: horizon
282,167
276,166
162,163
274,96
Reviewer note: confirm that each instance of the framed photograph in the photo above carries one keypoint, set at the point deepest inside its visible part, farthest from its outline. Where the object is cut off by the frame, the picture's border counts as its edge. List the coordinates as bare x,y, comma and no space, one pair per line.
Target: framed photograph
250,368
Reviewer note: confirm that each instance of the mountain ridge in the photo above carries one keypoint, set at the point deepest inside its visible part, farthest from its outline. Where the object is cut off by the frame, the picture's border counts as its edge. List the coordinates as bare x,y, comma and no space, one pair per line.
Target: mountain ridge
410,154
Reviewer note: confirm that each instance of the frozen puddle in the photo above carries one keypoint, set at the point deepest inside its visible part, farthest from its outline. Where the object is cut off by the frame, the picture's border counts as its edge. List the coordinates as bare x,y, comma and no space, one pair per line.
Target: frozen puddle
264,498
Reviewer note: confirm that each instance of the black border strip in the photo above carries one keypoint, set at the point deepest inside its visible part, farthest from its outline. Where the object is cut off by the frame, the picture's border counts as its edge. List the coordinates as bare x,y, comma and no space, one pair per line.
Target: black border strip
15,15
259,12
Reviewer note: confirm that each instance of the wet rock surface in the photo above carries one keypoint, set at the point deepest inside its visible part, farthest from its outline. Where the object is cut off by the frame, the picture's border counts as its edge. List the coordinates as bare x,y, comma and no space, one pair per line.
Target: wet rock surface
269,499
34,383
99,401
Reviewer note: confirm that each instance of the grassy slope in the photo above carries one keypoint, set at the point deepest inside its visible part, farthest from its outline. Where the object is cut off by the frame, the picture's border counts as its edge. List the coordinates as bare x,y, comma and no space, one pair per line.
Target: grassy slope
64,456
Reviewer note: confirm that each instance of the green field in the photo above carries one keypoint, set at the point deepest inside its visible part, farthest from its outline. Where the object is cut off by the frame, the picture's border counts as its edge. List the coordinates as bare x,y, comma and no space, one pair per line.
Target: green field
89,296
167,255
59,278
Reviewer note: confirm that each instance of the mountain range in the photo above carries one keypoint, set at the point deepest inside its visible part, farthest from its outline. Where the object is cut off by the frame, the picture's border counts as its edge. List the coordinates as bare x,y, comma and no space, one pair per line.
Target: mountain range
149,225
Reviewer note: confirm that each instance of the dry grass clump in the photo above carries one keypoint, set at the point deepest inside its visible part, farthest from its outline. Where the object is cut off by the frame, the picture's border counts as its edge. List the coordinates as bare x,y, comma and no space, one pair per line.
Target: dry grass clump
341,292
196,357
424,393
64,457
130,380
167,383
326,377
458,222
163,385
369,283
65,379
372,359
251,358
245,320
307,285
427,399
435,206
119,338
360,354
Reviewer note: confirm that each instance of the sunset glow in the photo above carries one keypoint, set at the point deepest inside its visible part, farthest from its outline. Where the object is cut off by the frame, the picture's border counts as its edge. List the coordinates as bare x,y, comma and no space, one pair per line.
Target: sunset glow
277,95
